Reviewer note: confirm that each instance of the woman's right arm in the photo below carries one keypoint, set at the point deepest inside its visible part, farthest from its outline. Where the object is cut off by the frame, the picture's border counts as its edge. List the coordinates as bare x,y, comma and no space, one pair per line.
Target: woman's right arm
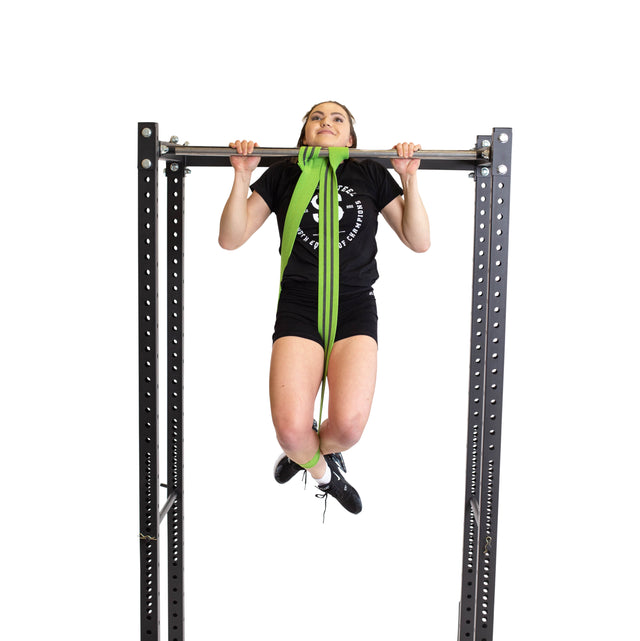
242,216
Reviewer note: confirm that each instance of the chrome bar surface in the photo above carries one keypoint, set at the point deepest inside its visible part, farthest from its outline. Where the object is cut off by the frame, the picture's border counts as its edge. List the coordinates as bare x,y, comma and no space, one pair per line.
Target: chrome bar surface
173,151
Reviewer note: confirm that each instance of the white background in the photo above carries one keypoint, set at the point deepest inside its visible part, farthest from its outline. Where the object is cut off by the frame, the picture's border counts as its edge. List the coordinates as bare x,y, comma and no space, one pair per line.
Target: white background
76,79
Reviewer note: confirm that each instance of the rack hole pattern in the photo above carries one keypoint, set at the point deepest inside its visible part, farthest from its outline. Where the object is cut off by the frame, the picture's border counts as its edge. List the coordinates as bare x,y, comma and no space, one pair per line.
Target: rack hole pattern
148,377
480,302
500,199
175,332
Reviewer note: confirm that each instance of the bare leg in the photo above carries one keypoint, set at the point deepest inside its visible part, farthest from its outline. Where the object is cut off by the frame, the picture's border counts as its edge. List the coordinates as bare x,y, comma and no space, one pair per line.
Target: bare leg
296,372
352,381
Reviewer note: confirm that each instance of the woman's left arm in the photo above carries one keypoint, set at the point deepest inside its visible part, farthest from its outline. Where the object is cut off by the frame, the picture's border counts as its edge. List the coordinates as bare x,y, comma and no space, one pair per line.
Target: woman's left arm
407,216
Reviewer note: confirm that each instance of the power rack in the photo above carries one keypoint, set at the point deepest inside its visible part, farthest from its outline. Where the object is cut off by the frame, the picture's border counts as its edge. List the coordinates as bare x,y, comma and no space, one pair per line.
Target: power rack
489,162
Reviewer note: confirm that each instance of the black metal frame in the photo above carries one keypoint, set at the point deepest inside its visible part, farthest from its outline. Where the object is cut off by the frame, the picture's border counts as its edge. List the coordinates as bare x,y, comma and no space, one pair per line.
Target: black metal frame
486,372
490,162
148,374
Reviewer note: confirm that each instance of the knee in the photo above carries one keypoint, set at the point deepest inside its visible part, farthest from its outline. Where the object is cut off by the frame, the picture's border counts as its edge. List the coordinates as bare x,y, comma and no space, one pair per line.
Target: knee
292,432
349,427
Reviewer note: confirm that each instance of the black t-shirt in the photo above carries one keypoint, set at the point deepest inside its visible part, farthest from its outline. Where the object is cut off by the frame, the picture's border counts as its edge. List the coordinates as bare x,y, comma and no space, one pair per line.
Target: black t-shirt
364,188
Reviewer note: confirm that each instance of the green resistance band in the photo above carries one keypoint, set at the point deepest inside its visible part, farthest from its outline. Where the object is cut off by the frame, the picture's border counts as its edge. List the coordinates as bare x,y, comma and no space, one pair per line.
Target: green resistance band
312,462
321,173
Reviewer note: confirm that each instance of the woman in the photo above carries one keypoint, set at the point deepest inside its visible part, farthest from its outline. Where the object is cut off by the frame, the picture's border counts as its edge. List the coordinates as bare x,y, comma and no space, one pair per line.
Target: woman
365,188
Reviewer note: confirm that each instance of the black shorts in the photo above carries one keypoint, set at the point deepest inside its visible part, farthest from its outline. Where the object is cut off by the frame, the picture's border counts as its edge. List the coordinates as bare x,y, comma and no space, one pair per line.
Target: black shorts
297,315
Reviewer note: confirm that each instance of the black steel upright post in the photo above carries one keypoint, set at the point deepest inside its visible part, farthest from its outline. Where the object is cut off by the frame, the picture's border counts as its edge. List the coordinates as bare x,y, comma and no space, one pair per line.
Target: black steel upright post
175,333
485,389
148,378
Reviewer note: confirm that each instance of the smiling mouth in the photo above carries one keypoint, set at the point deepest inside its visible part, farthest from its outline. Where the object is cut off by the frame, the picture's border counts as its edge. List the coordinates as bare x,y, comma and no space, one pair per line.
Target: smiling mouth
325,131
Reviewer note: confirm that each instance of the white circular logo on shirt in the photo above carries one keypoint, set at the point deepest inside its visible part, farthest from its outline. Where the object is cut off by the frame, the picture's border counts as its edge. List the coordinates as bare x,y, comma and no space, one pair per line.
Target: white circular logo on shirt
351,216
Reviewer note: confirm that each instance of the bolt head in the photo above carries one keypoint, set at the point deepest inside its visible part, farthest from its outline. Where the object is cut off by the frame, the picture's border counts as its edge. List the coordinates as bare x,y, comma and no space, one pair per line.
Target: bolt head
486,143
175,166
146,132
146,164
503,137
485,171
174,139
502,169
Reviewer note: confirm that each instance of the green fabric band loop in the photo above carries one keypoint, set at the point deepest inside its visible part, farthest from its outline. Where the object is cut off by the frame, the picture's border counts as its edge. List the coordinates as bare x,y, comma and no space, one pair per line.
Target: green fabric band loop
313,461
329,257
310,165
321,173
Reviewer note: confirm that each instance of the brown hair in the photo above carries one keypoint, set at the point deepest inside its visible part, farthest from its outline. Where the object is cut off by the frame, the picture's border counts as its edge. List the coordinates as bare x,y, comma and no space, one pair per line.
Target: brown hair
352,120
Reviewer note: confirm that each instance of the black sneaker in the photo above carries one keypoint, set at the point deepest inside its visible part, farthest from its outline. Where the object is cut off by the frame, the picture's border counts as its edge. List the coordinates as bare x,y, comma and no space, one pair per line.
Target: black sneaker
340,489
285,469
339,461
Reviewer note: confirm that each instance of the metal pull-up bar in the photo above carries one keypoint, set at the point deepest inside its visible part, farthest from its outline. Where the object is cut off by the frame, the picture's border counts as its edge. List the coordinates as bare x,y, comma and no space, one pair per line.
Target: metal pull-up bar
219,156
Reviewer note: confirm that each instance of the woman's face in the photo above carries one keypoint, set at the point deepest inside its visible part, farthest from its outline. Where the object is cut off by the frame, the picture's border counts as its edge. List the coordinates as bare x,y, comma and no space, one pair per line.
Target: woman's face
328,126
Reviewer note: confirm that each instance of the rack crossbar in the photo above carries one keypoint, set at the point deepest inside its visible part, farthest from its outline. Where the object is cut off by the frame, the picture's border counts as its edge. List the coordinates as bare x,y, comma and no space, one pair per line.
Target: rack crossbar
168,505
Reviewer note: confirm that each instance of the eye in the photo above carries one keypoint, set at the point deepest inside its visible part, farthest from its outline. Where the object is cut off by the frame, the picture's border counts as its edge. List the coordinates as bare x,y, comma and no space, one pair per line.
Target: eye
339,119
